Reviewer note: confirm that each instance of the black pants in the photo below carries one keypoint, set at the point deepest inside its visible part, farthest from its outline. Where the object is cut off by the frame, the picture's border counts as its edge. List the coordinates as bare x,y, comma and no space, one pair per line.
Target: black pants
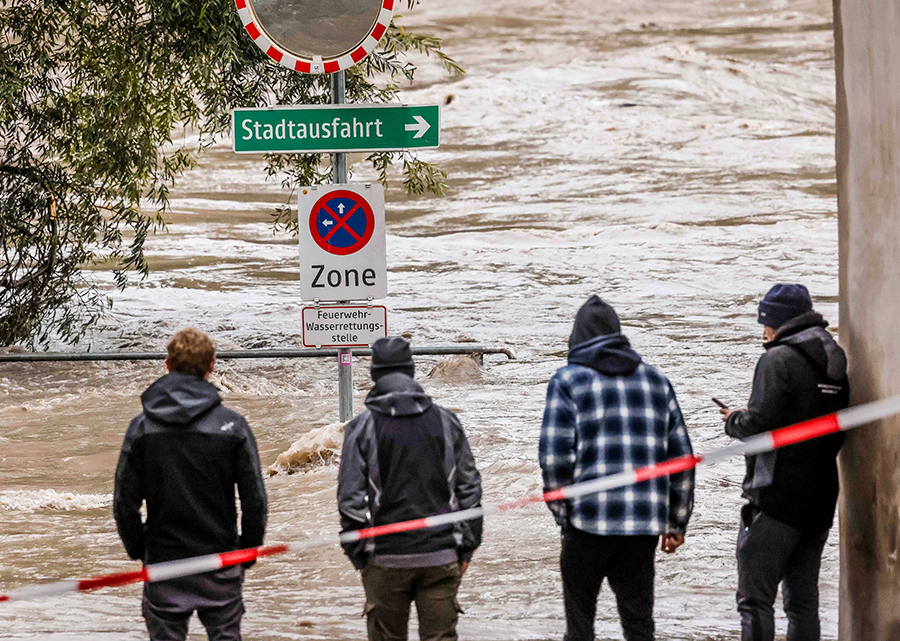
216,596
769,552
627,562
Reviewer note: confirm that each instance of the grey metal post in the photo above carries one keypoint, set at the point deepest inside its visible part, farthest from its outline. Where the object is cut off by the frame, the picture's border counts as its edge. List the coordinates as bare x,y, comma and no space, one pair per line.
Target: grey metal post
339,97
345,356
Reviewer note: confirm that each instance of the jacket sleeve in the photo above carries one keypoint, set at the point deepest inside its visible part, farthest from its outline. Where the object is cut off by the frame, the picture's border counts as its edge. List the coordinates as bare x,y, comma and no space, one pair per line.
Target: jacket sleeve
768,400
252,492
353,503
556,449
129,493
467,489
681,485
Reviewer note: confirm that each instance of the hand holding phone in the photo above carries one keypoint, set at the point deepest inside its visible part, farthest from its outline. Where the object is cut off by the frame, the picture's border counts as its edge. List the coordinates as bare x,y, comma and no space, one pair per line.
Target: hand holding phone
723,408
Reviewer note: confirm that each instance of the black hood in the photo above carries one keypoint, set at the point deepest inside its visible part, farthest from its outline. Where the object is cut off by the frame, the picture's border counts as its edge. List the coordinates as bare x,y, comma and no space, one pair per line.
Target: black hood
398,395
178,399
807,334
609,354
593,319
392,354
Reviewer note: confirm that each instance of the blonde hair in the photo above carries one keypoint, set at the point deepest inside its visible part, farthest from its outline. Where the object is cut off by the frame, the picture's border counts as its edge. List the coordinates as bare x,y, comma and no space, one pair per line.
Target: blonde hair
192,352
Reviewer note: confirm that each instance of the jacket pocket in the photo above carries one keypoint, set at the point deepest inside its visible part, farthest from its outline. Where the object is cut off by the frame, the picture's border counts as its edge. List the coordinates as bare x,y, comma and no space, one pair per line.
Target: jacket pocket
749,514
763,470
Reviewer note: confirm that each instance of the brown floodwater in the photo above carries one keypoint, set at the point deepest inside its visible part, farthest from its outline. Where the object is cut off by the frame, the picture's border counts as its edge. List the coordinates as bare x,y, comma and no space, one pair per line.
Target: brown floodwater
675,156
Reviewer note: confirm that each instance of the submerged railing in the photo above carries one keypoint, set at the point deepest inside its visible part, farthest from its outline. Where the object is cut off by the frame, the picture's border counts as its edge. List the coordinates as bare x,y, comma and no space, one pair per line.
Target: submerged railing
474,349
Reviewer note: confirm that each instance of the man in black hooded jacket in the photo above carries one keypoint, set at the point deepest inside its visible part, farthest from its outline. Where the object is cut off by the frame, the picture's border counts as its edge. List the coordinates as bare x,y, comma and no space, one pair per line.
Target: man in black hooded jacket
406,458
184,455
792,491
607,412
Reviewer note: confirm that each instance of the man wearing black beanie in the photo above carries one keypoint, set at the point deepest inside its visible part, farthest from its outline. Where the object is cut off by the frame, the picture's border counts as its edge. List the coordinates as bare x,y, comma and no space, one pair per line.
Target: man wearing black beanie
406,458
792,491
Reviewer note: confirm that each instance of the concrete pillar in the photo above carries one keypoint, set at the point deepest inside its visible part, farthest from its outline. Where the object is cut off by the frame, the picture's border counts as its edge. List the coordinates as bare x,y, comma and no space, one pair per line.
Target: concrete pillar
867,52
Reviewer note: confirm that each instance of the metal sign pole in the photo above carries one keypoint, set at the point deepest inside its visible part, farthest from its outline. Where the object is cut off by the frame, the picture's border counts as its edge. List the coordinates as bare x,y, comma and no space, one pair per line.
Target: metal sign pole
338,97
345,356
363,24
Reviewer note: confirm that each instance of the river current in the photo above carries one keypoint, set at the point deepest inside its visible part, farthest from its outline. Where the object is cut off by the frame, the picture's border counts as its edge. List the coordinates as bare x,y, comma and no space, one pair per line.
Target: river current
674,156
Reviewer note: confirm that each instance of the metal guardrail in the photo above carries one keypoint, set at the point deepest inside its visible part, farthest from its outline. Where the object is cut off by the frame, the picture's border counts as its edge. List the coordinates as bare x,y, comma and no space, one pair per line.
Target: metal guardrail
437,350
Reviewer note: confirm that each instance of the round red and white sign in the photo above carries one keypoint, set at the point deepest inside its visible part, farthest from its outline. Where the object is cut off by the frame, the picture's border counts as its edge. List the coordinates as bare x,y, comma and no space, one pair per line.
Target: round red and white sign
341,222
316,36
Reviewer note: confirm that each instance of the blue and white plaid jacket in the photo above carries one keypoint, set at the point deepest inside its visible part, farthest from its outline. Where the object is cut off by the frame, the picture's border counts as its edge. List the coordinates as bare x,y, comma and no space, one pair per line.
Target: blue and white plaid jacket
596,425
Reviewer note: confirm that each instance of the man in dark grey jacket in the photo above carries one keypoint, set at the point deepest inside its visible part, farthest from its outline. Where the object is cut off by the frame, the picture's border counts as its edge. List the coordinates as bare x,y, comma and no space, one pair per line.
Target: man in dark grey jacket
406,458
791,491
184,455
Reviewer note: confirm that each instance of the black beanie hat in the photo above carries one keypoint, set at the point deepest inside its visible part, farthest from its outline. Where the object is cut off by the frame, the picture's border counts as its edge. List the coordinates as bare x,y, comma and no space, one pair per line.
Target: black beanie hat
595,318
390,355
782,303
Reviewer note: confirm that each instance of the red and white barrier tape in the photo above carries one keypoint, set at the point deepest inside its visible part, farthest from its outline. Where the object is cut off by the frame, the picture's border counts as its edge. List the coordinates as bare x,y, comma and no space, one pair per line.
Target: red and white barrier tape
841,421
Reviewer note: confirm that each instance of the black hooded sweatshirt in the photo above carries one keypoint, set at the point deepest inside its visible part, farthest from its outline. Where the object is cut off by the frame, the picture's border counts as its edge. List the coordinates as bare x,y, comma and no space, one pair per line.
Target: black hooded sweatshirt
597,341
801,376
184,455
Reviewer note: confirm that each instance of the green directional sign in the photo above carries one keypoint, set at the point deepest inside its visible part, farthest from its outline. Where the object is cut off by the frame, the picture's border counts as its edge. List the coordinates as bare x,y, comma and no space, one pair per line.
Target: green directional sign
336,128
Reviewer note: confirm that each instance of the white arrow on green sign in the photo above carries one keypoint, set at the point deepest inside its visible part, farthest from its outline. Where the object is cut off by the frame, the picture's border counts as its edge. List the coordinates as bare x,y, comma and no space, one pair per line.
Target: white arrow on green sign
336,128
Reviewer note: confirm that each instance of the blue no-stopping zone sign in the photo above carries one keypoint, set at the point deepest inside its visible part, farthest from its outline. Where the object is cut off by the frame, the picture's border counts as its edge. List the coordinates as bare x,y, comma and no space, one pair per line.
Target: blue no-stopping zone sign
342,222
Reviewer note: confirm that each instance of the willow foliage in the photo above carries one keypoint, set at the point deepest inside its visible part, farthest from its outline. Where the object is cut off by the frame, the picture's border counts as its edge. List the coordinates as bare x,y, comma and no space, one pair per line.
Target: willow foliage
91,92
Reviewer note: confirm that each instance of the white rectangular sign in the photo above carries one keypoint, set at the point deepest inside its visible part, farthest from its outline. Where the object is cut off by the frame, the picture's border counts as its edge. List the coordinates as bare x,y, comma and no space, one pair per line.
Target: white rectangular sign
343,326
342,245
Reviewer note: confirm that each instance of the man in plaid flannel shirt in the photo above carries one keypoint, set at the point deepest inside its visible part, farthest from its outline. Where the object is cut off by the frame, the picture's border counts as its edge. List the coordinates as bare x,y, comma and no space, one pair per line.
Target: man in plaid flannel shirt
608,412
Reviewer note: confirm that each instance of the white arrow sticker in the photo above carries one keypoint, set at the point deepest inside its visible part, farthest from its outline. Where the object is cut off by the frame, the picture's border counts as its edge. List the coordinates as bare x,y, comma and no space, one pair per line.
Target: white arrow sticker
421,127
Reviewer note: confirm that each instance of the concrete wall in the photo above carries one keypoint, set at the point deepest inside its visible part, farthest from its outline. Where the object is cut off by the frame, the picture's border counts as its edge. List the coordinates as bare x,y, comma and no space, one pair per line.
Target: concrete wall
867,49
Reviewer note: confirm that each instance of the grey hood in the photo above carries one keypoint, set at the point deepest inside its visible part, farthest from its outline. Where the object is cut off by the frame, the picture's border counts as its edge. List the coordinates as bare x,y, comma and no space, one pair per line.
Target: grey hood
398,395
808,335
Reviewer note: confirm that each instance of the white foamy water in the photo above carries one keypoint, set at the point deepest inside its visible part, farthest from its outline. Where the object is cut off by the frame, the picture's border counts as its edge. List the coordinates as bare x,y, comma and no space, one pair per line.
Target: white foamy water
32,501
675,156
319,446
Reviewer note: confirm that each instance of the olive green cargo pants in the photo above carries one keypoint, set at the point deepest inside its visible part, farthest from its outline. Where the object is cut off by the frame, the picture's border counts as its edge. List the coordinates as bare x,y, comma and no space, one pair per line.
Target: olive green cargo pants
390,591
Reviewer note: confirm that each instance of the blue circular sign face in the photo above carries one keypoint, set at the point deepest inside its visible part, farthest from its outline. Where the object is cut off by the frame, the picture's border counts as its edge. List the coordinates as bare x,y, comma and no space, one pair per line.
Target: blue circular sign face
341,222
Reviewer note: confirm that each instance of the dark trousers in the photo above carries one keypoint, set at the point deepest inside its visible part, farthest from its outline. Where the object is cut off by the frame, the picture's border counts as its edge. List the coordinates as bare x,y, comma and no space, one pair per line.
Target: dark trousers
216,596
391,591
770,552
627,562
